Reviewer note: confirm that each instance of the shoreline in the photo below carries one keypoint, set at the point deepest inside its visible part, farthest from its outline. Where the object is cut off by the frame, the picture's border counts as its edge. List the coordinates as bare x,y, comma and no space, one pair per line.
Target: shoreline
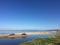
12,35
28,33
22,34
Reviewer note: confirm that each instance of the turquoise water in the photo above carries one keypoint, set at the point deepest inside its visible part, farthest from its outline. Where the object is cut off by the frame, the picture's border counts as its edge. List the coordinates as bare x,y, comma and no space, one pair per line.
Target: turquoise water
16,41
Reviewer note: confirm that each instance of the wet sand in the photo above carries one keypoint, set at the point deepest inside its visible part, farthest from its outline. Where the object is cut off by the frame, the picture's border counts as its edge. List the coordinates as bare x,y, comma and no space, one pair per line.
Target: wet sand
11,36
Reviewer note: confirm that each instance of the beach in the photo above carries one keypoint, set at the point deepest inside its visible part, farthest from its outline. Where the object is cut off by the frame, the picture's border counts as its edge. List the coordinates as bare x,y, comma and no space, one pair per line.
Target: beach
21,34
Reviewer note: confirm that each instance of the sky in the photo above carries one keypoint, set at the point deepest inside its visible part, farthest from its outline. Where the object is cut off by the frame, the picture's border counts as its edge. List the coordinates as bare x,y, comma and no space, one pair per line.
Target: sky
29,14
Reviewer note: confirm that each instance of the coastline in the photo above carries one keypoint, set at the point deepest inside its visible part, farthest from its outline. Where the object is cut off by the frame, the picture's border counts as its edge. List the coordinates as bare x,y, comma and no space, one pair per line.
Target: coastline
12,36
28,33
21,34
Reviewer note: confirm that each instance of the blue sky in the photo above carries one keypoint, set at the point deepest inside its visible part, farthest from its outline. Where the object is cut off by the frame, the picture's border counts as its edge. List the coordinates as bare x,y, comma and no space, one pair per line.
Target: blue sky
29,14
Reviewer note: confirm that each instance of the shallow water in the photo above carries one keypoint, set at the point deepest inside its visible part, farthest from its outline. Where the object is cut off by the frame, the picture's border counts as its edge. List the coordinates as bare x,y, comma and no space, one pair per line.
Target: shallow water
17,41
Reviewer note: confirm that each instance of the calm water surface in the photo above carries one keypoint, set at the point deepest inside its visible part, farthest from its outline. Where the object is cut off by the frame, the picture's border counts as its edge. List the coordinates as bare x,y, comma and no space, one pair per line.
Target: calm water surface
17,41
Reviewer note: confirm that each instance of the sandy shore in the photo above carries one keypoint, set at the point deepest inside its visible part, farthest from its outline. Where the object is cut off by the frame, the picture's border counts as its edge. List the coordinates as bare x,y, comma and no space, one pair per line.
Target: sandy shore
38,32
28,33
20,34
12,36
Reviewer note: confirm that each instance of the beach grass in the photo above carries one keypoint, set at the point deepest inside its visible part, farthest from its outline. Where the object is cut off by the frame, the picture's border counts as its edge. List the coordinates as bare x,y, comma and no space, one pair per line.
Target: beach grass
44,41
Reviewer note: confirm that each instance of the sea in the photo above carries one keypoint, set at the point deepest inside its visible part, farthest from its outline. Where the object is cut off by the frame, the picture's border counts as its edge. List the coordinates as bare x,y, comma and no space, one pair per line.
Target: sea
17,41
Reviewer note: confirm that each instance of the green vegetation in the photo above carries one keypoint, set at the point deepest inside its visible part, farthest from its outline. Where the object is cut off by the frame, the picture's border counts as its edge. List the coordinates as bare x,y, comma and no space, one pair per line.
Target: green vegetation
44,41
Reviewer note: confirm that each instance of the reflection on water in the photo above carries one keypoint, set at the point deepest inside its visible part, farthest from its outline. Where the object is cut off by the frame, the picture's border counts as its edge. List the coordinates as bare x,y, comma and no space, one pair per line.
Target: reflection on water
16,41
